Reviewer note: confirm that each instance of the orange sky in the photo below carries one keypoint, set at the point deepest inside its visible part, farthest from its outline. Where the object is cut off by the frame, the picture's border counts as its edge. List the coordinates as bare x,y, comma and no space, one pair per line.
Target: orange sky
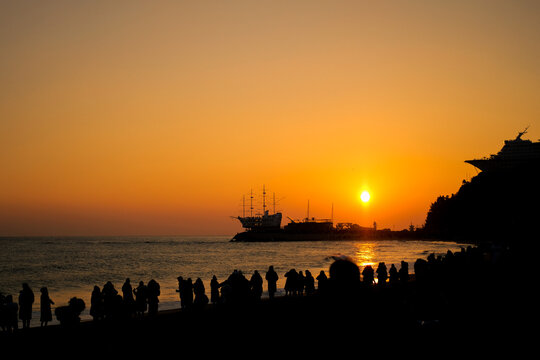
155,117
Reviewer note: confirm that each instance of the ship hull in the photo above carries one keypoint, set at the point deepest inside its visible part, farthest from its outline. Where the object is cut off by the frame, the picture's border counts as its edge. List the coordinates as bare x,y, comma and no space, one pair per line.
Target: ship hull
504,165
336,235
274,236
517,154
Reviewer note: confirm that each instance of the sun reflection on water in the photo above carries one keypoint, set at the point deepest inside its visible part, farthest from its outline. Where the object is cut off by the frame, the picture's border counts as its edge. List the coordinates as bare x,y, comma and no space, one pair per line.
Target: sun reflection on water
365,254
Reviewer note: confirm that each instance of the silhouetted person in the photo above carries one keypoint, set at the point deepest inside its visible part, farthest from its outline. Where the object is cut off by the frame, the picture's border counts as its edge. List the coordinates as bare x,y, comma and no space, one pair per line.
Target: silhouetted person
420,270
141,298
382,274
129,301
290,283
322,281
394,275
256,284
127,292
153,297
226,293
449,258
300,283
404,272
200,294
3,312
109,294
272,278
243,288
240,290
188,293
181,291
12,310
26,299
69,315
45,307
309,282
344,282
214,290
96,304
368,275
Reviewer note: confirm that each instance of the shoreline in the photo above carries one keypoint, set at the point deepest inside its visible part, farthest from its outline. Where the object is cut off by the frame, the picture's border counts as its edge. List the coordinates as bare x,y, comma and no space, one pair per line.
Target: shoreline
378,235
461,300
64,283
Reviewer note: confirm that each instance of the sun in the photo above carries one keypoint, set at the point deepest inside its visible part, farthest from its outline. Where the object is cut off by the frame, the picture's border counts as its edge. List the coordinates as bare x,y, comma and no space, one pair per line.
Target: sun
365,196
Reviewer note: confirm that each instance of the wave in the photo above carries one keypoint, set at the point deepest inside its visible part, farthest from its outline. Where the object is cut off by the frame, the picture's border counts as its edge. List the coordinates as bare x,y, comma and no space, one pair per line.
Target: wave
340,257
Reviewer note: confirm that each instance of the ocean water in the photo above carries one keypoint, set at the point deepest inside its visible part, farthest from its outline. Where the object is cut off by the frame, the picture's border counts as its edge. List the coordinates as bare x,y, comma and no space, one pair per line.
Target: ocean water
71,266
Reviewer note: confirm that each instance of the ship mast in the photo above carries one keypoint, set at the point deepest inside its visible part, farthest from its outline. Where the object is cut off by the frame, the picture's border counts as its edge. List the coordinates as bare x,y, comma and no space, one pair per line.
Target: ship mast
264,200
522,133
251,204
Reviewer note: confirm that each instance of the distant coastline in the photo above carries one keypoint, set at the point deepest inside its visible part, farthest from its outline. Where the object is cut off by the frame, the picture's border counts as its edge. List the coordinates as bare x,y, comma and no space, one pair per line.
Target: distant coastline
363,234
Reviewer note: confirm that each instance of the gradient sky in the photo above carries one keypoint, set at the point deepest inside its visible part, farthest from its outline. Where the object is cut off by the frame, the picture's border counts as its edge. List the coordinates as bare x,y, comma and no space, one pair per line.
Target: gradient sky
155,117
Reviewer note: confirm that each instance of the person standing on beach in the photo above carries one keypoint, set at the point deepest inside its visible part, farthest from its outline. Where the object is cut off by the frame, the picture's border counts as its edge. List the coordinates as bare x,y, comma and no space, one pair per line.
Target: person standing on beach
141,297
368,275
26,299
127,291
404,272
382,274
214,290
394,275
129,301
153,294
12,323
96,304
256,283
45,302
290,283
300,279
309,283
272,278
200,294
181,291
321,281
188,293
109,294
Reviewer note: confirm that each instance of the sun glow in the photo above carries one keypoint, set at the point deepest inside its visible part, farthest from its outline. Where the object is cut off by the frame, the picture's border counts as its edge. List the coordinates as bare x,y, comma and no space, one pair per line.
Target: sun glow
154,125
364,196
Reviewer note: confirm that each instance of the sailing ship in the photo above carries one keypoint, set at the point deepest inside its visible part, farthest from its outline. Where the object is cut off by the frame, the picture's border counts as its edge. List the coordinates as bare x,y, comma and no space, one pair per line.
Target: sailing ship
267,227
266,221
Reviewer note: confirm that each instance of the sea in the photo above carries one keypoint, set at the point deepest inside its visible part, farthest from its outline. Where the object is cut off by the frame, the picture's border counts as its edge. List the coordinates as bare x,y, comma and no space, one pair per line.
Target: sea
72,266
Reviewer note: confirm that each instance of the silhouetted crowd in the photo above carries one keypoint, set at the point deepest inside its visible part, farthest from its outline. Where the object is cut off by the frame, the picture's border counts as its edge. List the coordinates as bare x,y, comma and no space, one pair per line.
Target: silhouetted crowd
344,279
11,312
108,304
